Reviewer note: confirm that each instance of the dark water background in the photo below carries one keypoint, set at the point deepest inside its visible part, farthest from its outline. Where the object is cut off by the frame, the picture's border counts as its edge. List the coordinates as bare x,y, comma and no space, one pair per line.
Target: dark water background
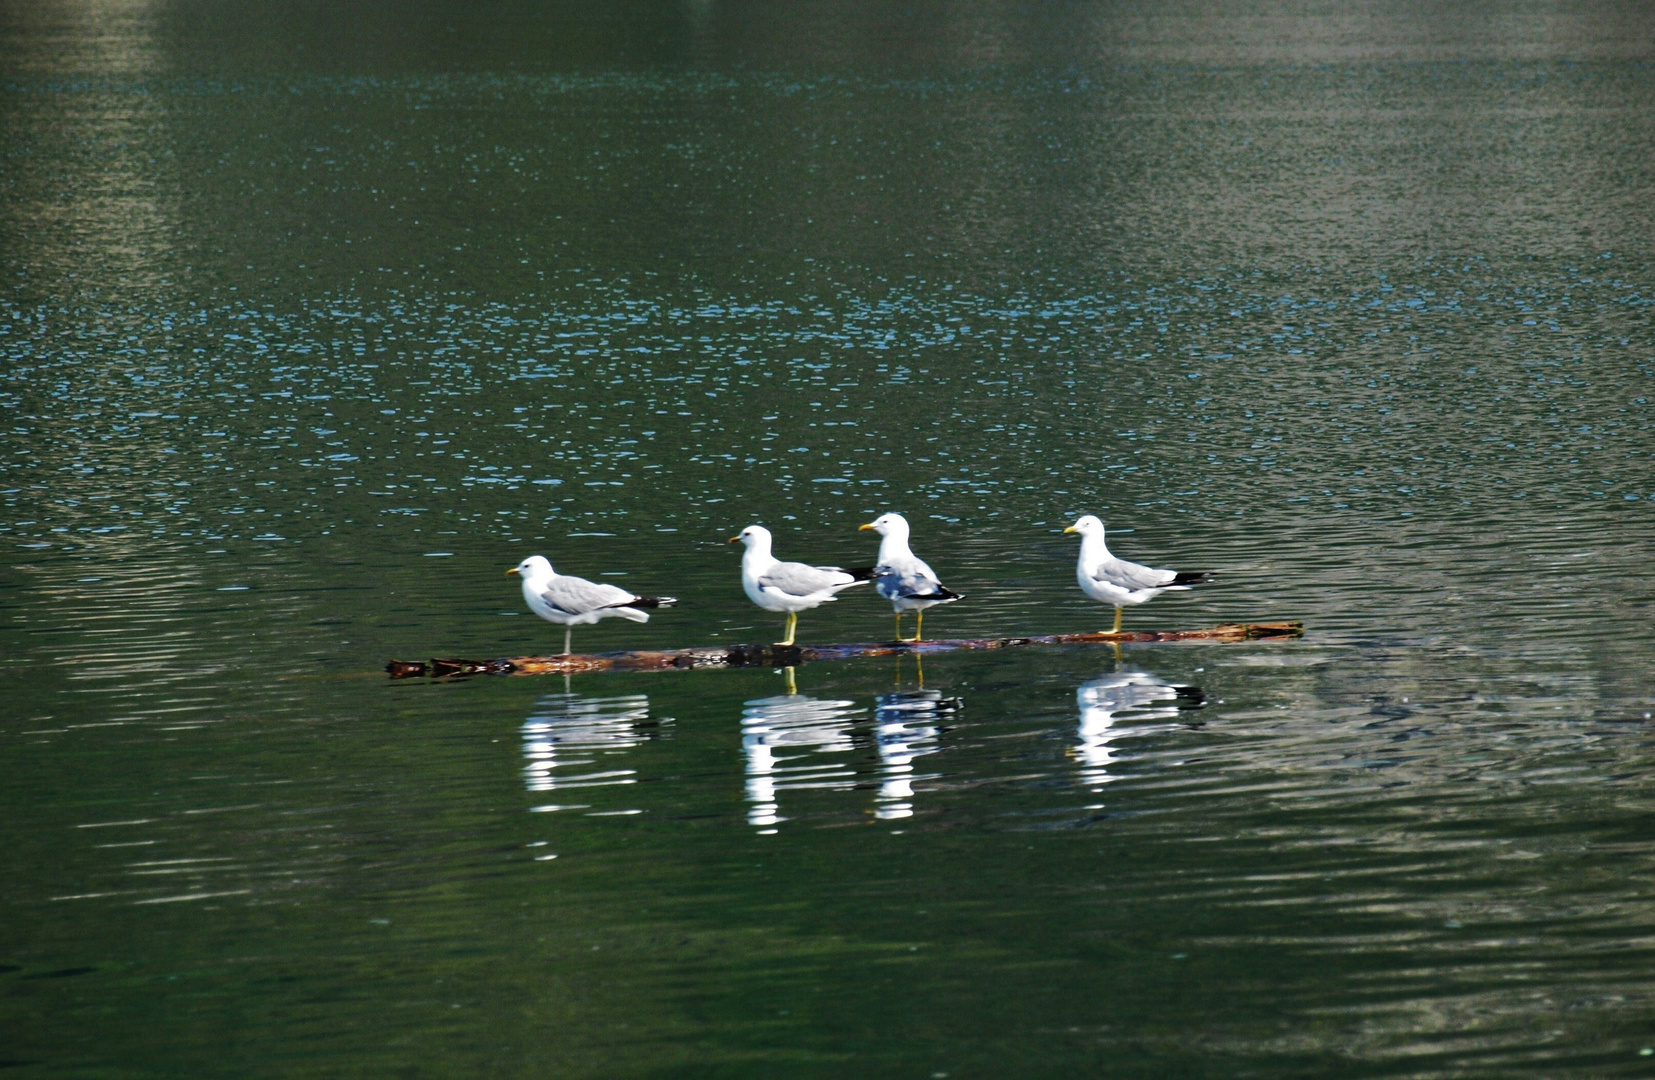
315,318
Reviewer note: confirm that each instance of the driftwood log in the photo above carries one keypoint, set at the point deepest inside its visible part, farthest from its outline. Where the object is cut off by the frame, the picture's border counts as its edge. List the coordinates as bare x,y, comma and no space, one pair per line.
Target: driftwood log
794,655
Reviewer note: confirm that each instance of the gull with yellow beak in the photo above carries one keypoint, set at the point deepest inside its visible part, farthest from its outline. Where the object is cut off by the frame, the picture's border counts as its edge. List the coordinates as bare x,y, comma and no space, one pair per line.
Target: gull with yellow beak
572,601
788,586
902,577
1109,580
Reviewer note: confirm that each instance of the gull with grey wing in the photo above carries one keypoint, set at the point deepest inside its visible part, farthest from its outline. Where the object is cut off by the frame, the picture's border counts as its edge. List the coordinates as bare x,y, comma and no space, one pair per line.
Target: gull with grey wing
1115,581
788,586
902,577
572,601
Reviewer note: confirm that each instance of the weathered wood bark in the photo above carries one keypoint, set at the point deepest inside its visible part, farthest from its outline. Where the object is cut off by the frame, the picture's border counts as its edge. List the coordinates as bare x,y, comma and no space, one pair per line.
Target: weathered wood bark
792,656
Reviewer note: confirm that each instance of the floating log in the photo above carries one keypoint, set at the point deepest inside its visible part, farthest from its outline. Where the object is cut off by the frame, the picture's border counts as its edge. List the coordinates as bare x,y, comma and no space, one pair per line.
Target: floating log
794,655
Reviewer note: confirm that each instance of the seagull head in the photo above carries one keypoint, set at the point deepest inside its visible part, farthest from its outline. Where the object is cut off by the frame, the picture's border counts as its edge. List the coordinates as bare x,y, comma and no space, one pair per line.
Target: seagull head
754,537
887,525
535,566
1086,526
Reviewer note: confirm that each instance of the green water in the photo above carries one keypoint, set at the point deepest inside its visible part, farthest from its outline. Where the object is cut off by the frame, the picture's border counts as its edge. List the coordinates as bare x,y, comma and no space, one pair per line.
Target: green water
316,318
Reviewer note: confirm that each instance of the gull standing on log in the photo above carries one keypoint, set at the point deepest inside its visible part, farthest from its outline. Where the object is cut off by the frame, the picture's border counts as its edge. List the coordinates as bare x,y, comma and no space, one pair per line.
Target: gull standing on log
788,586
902,577
572,601
1109,580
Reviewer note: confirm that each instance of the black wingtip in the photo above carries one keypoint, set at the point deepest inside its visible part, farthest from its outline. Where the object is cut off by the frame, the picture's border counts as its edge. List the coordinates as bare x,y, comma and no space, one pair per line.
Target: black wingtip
1198,577
650,601
941,596
861,573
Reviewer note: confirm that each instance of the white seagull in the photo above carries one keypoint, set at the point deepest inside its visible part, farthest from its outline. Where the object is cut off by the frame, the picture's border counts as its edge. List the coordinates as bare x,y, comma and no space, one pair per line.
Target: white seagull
1109,580
902,577
788,586
572,601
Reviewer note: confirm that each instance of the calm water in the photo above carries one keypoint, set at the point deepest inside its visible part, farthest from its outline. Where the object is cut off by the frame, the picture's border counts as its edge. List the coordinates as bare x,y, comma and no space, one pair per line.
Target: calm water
315,318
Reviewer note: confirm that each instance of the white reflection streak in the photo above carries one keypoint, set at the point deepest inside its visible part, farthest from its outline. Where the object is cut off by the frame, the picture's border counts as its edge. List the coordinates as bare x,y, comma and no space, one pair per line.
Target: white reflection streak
904,728
770,727
1136,695
570,732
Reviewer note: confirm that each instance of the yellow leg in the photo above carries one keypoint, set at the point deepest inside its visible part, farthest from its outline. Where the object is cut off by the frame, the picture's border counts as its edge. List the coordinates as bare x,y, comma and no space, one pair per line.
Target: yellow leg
899,636
1117,621
919,621
792,626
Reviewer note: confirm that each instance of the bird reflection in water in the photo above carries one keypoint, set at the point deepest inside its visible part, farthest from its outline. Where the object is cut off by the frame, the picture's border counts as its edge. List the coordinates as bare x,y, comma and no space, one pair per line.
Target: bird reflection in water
907,724
568,737
1123,695
789,743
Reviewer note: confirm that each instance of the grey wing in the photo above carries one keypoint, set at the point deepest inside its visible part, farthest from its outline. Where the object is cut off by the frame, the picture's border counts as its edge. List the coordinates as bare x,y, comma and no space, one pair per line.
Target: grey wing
577,596
797,579
907,579
1133,576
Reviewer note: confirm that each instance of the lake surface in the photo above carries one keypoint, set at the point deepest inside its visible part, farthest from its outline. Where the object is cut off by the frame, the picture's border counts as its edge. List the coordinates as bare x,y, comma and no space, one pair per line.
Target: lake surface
316,318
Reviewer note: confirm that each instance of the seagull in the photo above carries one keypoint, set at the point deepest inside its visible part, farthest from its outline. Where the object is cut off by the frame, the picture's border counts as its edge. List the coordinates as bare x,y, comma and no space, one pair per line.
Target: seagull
572,601
902,577
1115,581
788,586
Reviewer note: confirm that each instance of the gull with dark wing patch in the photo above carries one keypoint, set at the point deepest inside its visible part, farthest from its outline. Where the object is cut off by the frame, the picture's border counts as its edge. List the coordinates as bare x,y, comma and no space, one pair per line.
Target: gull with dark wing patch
572,601
902,577
788,586
1109,580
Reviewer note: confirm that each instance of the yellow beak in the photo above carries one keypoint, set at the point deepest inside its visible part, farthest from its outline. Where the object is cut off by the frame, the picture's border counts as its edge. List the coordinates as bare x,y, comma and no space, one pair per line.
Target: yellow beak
864,528
513,570
1071,529
734,540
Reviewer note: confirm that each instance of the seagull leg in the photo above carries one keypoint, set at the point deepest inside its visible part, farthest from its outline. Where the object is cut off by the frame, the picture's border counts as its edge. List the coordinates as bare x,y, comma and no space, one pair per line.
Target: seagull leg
1118,612
919,621
919,617
568,632
792,627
